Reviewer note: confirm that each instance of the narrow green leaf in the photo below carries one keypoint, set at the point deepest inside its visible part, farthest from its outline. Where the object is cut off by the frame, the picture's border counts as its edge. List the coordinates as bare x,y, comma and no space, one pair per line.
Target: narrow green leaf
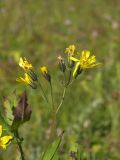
50,153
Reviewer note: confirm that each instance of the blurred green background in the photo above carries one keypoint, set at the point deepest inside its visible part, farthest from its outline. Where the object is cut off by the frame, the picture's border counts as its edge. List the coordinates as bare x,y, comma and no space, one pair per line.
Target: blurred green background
40,31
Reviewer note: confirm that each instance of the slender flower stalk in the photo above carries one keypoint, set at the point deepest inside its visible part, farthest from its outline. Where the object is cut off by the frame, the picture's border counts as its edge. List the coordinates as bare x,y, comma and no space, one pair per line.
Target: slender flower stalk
54,118
62,100
52,99
42,92
46,75
64,91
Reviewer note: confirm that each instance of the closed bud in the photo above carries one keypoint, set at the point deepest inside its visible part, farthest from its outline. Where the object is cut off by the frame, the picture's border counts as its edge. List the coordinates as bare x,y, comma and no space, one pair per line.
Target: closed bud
45,73
61,64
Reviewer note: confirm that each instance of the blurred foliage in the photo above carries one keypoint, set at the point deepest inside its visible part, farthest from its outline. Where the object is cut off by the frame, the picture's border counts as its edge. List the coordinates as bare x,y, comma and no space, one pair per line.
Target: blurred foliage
41,30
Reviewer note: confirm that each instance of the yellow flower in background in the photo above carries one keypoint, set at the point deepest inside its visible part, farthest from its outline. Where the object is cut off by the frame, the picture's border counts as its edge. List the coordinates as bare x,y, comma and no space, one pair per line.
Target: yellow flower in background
45,73
5,140
86,61
23,63
70,50
44,70
27,80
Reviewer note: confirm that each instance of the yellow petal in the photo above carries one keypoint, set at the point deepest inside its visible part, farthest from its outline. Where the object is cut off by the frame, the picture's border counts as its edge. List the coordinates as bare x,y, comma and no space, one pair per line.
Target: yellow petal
0,130
74,59
44,69
94,65
85,54
76,68
4,141
21,62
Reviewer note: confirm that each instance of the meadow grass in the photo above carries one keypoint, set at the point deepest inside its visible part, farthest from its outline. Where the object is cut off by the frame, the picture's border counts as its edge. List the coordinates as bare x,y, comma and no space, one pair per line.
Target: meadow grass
41,30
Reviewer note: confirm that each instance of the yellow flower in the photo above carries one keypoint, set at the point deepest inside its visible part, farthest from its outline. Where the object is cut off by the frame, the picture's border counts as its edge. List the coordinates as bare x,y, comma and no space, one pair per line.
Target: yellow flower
44,70
70,50
28,68
27,80
45,73
85,61
5,140
23,63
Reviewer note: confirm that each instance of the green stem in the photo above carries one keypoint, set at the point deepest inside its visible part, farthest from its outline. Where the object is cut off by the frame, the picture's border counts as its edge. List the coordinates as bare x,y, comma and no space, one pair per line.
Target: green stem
70,73
71,82
51,90
62,99
53,126
43,93
64,91
19,144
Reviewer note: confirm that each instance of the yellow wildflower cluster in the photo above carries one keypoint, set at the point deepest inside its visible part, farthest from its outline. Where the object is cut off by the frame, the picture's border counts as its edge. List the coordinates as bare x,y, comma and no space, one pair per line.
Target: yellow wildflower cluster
76,65
84,62
5,140
29,75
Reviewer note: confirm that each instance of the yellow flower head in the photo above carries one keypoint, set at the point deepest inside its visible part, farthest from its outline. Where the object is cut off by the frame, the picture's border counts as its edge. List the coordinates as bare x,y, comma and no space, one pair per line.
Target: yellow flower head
44,70
70,50
85,61
5,140
23,63
26,80
45,73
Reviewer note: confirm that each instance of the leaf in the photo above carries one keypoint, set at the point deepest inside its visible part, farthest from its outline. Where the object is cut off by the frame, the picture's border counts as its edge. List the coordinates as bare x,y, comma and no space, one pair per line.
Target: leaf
50,153
56,157
7,109
22,112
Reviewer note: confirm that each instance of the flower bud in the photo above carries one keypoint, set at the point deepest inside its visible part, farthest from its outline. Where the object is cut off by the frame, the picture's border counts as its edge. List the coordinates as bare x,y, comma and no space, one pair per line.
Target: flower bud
45,73
61,64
